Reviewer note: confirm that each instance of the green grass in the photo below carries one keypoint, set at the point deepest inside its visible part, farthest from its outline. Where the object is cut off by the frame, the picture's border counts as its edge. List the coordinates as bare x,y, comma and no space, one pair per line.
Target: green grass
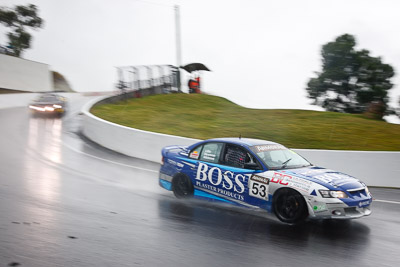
205,116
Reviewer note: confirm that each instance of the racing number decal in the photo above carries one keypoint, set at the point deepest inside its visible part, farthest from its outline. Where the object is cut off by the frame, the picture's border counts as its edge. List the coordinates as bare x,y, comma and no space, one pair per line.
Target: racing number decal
258,190
258,187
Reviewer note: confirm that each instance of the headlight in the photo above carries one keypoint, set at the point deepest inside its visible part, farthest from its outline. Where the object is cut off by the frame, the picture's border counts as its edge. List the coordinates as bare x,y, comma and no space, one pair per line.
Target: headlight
333,194
366,189
36,108
57,106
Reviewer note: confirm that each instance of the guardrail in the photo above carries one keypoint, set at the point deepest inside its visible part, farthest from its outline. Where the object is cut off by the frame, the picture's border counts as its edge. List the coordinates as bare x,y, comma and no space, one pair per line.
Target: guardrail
374,168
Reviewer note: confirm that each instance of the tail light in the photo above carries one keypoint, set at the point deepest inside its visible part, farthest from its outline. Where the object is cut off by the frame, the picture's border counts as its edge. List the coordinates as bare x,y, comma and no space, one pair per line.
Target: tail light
162,160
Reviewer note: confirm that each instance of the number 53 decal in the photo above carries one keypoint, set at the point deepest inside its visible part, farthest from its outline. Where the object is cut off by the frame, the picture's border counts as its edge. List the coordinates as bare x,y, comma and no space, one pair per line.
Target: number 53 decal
258,187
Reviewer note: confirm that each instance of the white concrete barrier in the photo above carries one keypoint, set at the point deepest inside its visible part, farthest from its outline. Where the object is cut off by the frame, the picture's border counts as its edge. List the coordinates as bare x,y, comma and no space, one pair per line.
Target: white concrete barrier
374,168
129,141
16,100
24,75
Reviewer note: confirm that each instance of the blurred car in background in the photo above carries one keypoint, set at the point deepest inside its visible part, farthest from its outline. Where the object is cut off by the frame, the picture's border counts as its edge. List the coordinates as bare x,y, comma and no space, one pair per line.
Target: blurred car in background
262,174
49,103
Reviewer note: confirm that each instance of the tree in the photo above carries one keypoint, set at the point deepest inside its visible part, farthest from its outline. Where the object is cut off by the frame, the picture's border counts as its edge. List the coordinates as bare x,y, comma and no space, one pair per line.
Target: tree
396,111
18,19
351,81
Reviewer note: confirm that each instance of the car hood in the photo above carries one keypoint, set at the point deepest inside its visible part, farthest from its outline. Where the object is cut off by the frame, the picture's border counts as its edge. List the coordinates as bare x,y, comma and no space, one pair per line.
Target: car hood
47,103
329,178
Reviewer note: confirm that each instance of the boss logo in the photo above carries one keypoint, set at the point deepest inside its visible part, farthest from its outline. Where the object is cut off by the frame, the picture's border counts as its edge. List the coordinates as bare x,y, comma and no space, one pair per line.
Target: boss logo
228,179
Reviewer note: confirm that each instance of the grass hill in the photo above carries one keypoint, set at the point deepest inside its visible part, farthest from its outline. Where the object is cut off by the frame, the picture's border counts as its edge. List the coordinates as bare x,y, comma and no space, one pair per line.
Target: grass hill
206,116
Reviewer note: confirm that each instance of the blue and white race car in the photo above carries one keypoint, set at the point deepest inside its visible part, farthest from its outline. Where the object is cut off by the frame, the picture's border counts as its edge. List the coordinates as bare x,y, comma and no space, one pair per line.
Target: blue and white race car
262,174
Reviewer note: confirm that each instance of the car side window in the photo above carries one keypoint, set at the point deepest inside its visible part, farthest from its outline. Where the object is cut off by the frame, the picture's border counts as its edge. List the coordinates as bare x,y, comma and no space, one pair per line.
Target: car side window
236,156
195,153
211,152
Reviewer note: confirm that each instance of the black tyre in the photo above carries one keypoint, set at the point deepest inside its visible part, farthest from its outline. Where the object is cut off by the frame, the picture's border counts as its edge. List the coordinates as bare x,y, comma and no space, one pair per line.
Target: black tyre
290,206
182,186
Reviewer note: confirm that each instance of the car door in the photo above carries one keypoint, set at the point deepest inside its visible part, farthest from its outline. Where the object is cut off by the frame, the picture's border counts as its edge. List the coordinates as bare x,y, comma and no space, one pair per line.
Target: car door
236,174
219,171
204,159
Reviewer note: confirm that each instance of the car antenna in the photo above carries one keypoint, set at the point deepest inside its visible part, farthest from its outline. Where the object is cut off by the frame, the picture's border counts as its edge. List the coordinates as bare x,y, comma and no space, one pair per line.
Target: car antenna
240,136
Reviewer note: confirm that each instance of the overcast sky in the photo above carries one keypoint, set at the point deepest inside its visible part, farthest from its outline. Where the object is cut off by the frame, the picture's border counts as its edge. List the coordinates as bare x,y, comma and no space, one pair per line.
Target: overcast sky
261,52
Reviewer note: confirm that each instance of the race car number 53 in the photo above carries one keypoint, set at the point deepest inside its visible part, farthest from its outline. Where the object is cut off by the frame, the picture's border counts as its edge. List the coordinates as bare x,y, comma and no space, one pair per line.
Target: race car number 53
258,187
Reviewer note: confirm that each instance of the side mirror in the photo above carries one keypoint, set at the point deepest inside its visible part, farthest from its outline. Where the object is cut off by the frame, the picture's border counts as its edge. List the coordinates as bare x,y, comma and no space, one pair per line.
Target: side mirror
251,166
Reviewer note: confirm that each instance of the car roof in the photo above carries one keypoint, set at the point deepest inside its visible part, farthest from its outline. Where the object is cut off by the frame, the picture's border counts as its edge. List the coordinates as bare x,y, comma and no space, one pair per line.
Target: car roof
248,142
47,95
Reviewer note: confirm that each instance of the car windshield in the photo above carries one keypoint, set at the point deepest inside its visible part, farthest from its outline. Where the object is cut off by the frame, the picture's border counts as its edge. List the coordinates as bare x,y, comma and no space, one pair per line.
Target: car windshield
279,157
44,98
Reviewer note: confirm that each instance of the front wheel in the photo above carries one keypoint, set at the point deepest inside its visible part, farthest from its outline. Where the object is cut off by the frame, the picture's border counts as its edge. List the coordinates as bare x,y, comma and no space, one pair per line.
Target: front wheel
182,186
290,206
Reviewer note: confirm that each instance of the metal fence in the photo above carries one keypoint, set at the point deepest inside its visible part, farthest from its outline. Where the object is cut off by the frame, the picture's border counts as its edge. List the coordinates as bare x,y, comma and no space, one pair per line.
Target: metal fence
143,80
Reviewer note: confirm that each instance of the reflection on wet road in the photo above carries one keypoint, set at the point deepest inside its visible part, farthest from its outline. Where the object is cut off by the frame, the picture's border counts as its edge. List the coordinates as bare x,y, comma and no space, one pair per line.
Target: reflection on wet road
44,137
64,201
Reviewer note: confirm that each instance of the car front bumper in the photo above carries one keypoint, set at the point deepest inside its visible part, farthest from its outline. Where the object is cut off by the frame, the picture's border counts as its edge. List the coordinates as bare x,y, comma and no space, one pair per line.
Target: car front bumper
337,211
46,109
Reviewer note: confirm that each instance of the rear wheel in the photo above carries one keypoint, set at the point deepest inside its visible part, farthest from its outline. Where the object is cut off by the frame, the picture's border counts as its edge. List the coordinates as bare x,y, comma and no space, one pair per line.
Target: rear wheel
290,206
182,186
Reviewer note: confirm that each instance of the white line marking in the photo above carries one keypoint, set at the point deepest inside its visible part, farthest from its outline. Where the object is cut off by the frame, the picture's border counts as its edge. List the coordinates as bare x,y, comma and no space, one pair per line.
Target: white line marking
109,161
387,201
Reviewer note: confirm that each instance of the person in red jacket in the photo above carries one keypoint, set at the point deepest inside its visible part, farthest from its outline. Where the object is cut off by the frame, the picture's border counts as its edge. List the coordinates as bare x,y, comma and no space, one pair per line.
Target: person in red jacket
198,84
193,86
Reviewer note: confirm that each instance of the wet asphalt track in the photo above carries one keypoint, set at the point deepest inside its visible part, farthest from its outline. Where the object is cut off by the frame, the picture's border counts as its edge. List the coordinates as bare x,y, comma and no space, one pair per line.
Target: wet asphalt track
67,202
